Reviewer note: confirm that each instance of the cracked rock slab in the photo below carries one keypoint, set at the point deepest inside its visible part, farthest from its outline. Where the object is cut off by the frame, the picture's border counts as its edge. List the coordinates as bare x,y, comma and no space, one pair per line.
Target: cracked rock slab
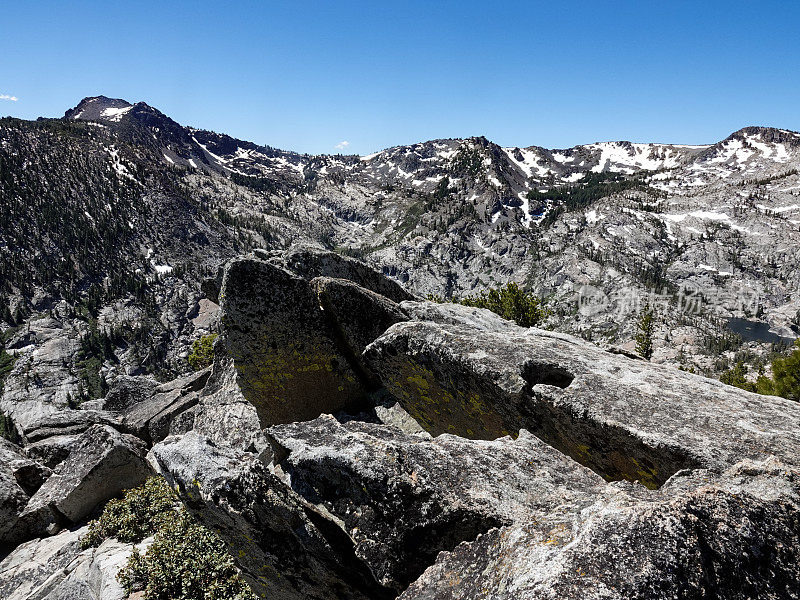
624,418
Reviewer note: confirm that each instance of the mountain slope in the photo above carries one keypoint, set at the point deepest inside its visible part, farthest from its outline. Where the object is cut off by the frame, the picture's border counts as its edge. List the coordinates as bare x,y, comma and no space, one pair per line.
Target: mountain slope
118,202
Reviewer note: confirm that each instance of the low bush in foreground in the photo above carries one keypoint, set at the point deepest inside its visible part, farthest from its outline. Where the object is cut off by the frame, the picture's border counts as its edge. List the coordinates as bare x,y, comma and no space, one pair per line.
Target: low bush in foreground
185,561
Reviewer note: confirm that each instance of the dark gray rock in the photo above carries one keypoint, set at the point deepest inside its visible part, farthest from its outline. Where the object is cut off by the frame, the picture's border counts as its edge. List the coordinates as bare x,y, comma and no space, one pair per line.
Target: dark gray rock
286,548
52,450
357,316
12,502
310,262
624,418
127,392
404,498
29,474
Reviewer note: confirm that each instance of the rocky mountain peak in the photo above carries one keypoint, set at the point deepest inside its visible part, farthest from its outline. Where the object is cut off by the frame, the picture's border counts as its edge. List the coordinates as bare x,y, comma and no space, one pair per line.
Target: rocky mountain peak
99,108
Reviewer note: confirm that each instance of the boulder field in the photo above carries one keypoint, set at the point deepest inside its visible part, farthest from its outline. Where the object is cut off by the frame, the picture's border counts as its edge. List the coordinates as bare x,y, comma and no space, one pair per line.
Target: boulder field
352,441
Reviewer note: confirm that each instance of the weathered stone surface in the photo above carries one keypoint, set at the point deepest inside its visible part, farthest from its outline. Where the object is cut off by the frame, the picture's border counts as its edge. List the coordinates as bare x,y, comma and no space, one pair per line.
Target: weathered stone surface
40,382
287,362
127,392
52,450
310,262
224,415
56,568
151,419
624,418
404,498
286,548
734,537
103,463
66,422
12,502
358,316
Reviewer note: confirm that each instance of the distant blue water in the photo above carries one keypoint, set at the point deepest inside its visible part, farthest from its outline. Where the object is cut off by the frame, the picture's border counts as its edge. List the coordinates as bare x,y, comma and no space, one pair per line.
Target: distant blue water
756,331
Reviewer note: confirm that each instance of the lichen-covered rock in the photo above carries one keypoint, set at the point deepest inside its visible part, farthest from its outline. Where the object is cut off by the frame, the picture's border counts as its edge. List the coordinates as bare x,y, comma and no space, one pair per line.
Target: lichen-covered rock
103,463
287,361
286,548
624,418
357,316
404,498
732,537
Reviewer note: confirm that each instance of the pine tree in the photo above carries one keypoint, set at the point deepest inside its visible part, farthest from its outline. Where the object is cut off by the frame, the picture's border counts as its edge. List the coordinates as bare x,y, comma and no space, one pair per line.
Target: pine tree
644,337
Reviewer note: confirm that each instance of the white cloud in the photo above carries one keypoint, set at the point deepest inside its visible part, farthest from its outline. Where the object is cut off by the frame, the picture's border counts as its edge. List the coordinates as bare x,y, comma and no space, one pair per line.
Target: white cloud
342,145
8,97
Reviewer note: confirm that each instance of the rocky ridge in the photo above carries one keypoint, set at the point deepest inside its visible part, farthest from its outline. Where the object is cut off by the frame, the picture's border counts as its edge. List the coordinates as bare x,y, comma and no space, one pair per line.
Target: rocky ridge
432,451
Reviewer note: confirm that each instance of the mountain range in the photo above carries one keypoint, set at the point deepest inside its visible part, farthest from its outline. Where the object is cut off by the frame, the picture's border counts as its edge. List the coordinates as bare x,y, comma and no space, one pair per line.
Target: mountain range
116,203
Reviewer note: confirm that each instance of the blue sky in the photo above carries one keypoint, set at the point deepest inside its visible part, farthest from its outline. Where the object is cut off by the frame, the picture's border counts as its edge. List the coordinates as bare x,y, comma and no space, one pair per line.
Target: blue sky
308,75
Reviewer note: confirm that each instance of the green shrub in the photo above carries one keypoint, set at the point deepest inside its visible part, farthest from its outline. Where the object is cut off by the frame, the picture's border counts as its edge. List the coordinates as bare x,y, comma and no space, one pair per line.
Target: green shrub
737,376
512,303
202,354
786,376
185,561
139,514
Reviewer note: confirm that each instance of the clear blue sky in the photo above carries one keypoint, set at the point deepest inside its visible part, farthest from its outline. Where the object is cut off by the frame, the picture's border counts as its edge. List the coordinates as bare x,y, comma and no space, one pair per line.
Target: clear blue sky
306,75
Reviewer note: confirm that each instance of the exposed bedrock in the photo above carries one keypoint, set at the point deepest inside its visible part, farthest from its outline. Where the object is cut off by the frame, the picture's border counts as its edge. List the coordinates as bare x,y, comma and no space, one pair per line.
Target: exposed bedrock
296,344
404,498
623,418
286,547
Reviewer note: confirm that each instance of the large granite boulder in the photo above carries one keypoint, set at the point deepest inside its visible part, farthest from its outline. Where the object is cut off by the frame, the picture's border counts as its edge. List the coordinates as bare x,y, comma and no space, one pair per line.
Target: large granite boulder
405,498
284,350
623,418
310,262
357,317
12,502
29,474
152,419
286,548
57,568
20,477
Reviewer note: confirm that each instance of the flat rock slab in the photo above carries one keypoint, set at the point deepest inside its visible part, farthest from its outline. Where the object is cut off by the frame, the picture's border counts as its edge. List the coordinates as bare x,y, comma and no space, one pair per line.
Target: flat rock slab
57,568
404,498
150,418
624,418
